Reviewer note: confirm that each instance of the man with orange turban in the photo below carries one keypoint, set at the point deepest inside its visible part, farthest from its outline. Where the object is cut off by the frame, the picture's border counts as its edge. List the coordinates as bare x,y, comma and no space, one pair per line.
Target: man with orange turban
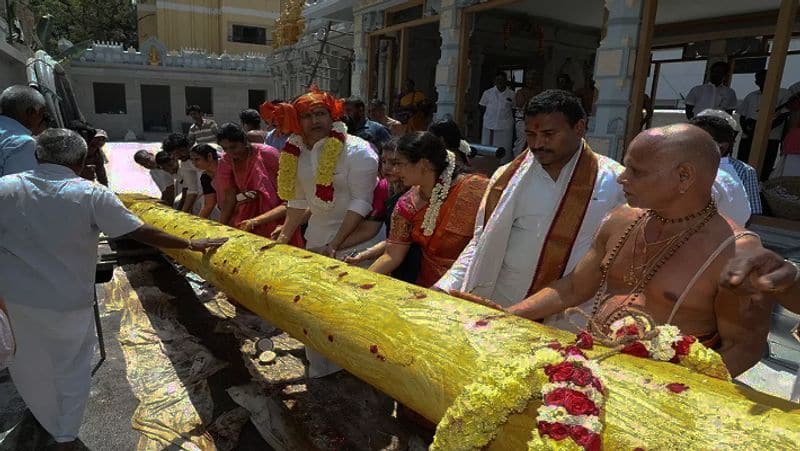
327,172
272,112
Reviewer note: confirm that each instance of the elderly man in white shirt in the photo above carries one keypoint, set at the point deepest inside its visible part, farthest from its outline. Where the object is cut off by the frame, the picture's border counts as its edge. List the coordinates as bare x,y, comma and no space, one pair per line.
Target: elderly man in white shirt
320,150
712,95
22,112
47,278
498,117
557,191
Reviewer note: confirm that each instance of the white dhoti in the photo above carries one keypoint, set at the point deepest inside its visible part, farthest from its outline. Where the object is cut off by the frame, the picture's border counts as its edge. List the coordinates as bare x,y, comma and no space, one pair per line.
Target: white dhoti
500,138
318,365
52,366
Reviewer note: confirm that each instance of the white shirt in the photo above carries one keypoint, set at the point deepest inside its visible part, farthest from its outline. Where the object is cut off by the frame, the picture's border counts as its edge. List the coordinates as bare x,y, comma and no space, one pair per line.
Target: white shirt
189,178
749,109
162,179
499,114
729,193
706,96
354,183
726,165
533,212
48,244
17,147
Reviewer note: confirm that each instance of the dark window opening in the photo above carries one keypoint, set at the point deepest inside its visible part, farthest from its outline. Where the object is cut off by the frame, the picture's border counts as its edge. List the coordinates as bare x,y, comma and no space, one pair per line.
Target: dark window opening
201,97
404,15
249,35
255,97
109,98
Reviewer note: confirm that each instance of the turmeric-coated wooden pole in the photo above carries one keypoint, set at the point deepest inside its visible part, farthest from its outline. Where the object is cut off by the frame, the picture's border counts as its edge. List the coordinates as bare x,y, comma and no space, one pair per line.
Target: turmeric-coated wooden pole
423,347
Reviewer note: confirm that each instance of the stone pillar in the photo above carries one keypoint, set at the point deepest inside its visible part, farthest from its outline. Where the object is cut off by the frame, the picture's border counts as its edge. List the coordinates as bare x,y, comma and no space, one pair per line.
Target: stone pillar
358,82
613,74
447,68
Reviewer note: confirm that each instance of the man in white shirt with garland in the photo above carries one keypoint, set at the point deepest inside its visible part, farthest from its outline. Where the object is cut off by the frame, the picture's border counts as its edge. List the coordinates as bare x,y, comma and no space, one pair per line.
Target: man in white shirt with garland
48,273
330,174
541,211
498,117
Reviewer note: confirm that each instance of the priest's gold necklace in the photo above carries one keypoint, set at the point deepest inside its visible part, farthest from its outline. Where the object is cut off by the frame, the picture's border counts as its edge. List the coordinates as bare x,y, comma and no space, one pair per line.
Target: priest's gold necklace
676,243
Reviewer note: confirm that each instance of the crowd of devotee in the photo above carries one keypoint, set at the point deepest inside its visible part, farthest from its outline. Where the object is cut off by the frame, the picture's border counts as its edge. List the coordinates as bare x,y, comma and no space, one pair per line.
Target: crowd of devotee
558,227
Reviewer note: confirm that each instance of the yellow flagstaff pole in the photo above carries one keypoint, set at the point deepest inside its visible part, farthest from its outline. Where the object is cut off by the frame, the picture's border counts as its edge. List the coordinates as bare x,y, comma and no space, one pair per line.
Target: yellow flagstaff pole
423,347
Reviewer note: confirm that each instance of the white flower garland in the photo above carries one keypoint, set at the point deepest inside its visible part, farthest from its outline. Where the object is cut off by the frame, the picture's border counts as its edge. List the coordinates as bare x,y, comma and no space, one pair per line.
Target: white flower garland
558,414
464,148
660,346
439,195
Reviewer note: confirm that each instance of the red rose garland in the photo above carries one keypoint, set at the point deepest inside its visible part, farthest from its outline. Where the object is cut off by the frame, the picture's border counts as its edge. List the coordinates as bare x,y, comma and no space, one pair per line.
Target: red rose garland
572,400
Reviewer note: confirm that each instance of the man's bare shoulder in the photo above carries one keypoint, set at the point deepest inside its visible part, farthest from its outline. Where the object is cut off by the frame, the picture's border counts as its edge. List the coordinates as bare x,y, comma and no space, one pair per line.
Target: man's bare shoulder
622,217
616,222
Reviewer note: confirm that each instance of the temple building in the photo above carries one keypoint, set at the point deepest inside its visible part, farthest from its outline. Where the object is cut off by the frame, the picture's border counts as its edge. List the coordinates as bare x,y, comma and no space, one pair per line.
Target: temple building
216,26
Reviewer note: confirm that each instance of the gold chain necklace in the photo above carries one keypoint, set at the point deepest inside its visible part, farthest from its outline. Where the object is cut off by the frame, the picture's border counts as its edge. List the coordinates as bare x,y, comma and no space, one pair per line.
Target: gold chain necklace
636,271
668,252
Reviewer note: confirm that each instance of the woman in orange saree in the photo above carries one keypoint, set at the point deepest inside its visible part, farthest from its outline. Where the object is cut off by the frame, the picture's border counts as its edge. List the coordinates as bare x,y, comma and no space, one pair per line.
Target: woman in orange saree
437,213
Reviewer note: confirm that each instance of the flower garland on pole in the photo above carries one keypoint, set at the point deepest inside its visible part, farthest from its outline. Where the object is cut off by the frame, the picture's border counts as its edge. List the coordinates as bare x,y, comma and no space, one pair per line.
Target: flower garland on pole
570,385
572,401
666,343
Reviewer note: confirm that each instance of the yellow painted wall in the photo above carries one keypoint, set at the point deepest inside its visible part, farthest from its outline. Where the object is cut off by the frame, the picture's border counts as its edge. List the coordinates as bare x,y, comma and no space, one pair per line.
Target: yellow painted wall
227,22
182,29
206,24
266,5
147,20
148,26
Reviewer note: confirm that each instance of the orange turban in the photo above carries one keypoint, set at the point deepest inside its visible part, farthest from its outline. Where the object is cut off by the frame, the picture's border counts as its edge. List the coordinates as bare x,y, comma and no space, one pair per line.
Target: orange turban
315,98
282,115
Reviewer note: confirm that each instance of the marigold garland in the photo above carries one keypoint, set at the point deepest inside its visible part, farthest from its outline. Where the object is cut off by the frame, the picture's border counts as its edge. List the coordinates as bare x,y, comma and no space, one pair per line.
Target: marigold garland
326,166
483,406
287,174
